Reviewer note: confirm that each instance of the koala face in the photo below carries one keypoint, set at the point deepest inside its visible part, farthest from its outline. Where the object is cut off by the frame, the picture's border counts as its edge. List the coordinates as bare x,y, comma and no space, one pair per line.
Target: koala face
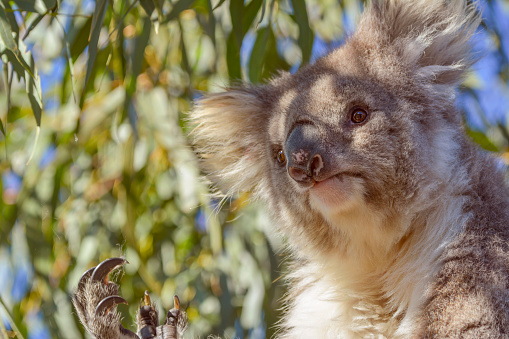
339,143
339,150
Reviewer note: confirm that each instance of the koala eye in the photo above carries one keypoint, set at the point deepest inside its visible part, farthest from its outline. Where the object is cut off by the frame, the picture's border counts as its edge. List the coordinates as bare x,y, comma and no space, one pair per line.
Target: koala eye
281,158
359,116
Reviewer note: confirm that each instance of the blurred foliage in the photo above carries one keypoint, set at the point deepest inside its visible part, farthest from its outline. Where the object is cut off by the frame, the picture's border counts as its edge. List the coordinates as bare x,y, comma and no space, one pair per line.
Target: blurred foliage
95,163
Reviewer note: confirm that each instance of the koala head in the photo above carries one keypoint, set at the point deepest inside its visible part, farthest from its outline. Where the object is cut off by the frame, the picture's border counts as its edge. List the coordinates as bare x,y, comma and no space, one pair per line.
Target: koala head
366,136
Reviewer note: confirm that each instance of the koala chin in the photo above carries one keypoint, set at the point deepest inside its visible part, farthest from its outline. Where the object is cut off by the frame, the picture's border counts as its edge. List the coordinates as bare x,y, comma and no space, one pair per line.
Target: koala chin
398,224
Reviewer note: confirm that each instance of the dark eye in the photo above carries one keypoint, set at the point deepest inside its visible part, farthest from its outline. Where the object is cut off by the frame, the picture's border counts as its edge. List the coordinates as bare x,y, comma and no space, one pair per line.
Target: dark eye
359,116
281,158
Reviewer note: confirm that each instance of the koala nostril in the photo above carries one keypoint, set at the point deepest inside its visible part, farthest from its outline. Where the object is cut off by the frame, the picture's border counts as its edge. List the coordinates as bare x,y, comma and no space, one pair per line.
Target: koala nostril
316,165
304,173
298,174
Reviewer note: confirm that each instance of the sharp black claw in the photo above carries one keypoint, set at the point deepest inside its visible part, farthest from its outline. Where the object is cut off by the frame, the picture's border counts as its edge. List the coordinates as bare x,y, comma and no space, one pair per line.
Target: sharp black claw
105,306
103,270
84,278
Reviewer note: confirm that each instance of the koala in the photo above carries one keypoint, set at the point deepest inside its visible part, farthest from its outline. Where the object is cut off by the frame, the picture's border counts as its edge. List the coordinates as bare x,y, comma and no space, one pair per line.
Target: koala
397,224
95,301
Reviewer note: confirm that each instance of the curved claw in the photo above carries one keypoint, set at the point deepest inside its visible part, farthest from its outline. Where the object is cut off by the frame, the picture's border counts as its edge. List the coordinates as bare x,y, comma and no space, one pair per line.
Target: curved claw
148,302
176,302
105,306
173,314
103,270
84,278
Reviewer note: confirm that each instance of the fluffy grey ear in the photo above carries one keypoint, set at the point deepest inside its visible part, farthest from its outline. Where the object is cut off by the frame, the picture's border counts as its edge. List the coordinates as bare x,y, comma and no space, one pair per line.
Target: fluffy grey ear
229,136
429,36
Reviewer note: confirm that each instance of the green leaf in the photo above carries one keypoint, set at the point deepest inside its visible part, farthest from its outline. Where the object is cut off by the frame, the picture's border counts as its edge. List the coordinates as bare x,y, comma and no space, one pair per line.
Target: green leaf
262,15
218,4
2,128
5,32
136,66
305,40
33,86
33,24
258,55
30,6
97,23
139,53
236,14
250,12
148,6
177,9
51,4
80,40
482,140
233,58
265,61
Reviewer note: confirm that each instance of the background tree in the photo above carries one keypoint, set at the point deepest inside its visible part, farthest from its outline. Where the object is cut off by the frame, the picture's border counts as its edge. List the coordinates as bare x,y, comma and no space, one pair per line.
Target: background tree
95,163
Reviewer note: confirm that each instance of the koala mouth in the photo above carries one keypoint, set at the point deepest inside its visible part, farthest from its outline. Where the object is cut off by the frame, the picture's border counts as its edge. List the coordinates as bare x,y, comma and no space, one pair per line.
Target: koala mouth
337,193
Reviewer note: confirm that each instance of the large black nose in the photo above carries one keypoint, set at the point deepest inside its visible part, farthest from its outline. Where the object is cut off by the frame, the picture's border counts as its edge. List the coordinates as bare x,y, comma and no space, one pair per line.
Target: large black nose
304,153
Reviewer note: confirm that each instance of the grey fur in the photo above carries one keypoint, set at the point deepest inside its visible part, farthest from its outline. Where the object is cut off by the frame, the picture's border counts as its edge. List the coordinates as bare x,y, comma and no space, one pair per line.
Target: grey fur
409,237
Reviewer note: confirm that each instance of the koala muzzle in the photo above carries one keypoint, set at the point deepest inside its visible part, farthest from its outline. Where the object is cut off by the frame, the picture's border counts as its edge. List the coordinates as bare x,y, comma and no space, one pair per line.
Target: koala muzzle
304,154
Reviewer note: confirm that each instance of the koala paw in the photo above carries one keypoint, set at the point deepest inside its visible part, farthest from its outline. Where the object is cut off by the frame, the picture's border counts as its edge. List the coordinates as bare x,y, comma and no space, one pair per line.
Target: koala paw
95,301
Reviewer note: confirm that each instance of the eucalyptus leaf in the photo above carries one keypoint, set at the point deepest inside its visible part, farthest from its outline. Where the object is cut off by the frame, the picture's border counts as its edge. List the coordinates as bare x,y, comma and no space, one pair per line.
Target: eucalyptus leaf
35,96
257,57
218,4
97,24
33,24
2,128
5,31
305,39
233,58
177,9
80,40
148,6
250,13
51,4
30,5
236,15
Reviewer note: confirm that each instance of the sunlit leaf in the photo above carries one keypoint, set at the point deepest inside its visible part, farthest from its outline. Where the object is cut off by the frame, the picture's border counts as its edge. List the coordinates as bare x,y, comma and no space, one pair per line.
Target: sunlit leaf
262,15
33,24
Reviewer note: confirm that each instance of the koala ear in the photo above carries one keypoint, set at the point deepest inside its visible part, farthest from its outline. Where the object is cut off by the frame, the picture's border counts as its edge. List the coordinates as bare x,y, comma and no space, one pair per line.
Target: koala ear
431,37
229,136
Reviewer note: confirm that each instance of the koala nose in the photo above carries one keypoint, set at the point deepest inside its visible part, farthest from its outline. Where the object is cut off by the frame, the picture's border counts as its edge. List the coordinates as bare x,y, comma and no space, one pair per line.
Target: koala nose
304,173
304,155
